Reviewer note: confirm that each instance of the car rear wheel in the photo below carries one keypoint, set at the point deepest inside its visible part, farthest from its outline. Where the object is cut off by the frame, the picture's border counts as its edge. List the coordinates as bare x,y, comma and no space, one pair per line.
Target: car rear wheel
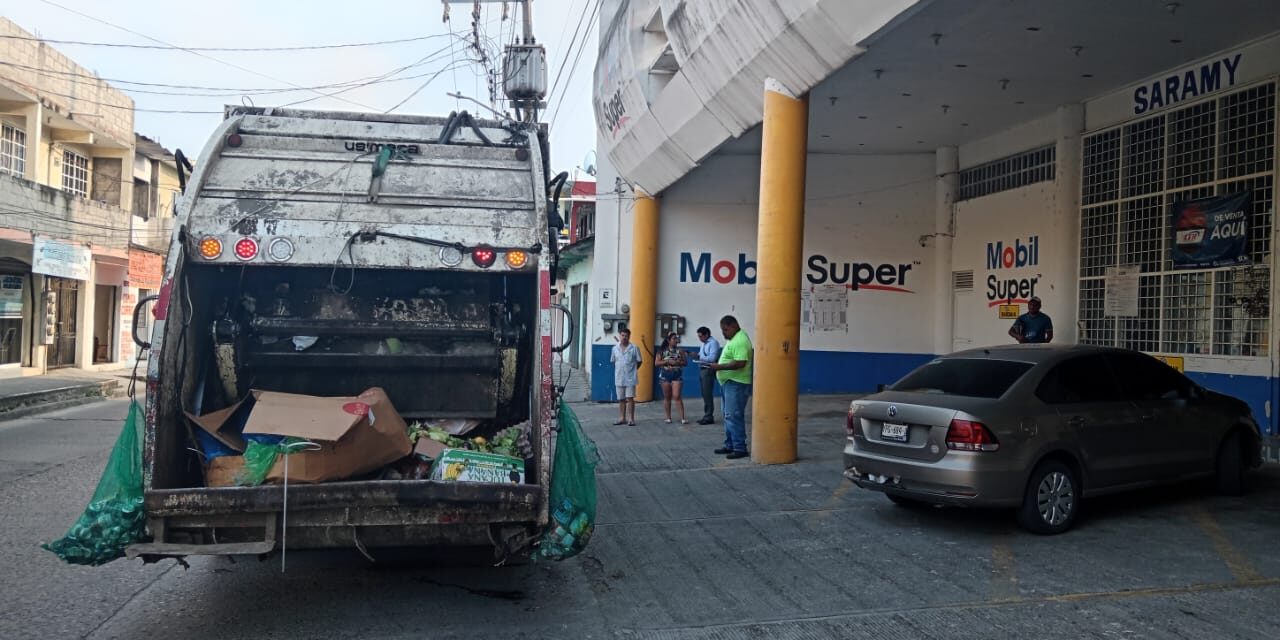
1230,467
1052,499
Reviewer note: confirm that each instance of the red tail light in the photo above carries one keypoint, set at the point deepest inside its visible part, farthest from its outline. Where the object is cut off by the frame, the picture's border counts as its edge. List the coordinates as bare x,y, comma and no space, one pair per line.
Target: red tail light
484,257
965,435
246,248
852,425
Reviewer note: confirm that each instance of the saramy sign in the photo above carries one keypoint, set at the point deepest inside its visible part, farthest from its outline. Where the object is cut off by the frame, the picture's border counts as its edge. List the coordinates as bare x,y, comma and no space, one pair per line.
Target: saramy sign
1211,232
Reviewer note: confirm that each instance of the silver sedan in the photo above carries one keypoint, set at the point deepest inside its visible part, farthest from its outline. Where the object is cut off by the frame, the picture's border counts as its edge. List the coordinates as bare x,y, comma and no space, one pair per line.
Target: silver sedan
1038,427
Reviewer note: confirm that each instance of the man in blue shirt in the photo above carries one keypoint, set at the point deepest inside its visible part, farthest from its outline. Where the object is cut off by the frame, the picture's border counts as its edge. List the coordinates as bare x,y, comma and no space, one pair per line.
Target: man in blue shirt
708,354
1032,327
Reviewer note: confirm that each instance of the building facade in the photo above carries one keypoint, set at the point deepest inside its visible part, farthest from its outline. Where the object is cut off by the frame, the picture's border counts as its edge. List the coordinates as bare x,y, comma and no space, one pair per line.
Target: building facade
955,160
84,207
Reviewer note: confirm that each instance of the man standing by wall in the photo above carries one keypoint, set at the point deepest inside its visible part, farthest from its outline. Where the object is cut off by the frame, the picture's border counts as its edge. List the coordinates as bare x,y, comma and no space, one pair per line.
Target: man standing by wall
734,372
1032,327
709,354
626,363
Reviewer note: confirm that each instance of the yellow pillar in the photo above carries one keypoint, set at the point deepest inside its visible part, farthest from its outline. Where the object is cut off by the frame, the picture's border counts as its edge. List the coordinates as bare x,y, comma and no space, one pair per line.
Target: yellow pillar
644,288
781,241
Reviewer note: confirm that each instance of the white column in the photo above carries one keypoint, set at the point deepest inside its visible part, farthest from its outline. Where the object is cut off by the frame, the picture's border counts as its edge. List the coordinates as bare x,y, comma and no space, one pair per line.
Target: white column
34,129
1066,221
85,315
948,178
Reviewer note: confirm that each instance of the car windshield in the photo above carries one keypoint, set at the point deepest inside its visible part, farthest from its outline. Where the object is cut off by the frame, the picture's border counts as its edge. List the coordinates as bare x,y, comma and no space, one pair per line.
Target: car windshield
974,378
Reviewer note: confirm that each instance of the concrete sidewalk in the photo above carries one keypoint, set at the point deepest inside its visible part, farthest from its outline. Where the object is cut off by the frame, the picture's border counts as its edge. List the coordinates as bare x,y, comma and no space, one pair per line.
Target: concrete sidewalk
61,389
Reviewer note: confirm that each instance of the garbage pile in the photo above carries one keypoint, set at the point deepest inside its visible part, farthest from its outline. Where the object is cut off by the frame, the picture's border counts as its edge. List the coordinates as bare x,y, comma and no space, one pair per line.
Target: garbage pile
333,439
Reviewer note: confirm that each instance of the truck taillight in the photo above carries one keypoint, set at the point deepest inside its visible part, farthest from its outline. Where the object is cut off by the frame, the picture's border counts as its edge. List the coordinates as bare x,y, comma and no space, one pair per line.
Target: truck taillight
210,248
246,248
966,435
280,249
517,259
484,257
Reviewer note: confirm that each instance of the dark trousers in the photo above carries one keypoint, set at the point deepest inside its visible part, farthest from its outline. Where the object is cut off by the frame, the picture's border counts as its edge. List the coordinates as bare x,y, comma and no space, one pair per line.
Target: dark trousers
708,379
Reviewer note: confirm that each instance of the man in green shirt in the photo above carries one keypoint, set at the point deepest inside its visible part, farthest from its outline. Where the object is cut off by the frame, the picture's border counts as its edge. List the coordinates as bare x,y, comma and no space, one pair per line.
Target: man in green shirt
734,373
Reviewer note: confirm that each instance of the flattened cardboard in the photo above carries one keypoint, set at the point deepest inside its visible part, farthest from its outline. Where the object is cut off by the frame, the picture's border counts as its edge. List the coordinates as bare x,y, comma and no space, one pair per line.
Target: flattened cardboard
429,448
369,443
461,465
212,423
307,417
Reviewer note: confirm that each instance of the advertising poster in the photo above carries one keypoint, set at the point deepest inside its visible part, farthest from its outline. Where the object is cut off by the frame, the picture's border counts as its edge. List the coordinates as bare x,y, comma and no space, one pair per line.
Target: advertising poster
1211,232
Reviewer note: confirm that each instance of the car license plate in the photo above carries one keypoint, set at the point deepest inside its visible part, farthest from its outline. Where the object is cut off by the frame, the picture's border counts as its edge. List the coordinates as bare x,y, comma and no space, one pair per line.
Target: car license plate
895,432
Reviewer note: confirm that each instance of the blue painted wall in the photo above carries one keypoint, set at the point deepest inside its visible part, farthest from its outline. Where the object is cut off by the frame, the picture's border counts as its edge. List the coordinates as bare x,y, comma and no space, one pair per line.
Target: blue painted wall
1255,390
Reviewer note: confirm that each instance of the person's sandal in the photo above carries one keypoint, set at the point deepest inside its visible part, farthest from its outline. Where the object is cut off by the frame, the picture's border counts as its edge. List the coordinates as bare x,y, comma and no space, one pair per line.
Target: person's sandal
683,421
621,422
668,420
632,423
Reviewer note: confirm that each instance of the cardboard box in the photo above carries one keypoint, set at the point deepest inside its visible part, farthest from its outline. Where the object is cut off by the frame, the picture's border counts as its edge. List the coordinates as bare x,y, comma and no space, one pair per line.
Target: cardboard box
352,436
223,470
461,465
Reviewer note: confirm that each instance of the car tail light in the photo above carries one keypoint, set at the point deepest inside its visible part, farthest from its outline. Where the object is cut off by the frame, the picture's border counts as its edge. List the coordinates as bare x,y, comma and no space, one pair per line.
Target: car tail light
246,248
210,248
517,259
852,425
966,435
484,257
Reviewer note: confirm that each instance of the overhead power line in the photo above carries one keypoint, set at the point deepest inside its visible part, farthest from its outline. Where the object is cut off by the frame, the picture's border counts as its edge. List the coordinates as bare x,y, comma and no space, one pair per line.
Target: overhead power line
165,47
568,52
572,70
196,53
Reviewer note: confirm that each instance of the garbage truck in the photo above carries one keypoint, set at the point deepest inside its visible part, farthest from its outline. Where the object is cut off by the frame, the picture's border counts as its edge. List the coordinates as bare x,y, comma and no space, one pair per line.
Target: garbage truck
326,254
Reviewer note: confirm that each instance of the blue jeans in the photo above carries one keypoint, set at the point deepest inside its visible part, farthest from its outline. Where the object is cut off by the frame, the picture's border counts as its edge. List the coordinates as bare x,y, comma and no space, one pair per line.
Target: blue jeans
735,414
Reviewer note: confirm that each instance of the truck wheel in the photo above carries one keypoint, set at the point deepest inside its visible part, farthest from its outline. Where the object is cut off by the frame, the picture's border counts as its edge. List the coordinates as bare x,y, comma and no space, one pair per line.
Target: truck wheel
1052,499
1230,468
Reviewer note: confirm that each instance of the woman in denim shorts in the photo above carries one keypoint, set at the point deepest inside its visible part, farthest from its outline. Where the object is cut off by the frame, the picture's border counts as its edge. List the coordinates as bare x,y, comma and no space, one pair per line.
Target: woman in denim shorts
670,361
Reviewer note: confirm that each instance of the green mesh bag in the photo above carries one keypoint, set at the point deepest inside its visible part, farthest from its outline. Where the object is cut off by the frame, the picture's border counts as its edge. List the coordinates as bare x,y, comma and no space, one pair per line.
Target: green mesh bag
114,518
573,491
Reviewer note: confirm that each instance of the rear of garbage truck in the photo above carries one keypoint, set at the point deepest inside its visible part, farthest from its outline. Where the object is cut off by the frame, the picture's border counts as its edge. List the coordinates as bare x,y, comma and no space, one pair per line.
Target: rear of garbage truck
400,262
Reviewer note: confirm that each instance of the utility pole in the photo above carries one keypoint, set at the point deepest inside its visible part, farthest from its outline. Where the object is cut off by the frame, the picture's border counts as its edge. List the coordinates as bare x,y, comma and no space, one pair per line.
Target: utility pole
524,65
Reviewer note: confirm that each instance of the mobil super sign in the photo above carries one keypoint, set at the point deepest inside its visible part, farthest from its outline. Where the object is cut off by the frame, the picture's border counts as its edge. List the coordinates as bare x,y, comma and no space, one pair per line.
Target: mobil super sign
703,268
1004,257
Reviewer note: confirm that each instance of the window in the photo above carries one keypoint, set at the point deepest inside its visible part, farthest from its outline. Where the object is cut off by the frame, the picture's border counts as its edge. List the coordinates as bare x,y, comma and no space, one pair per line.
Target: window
1079,380
75,173
1020,170
1145,378
13,150
1132,174
968,377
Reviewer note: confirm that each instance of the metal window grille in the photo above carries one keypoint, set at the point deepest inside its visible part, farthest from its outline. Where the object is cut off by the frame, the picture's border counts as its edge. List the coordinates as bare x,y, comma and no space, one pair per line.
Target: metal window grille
1131,175
1095,328
1187,314
13,150
1097,240
75,173
1100,180
1012,172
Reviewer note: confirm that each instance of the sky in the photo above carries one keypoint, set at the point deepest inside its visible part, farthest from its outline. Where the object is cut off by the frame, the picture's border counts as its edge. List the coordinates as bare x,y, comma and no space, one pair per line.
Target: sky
288,23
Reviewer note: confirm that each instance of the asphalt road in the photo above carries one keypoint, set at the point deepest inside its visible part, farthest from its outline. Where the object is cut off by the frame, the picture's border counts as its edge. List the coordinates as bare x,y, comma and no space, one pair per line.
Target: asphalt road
689,545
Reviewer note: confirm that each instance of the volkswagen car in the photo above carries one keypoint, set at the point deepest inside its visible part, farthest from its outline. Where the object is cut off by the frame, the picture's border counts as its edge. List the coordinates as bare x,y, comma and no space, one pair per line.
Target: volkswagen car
1039,427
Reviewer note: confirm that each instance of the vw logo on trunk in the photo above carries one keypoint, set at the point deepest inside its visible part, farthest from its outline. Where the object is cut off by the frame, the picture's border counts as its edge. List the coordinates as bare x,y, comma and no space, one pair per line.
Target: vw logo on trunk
893,411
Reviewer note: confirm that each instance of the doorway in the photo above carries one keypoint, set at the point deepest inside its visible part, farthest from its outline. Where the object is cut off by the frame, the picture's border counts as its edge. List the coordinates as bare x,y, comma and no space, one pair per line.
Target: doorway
64,307
104,323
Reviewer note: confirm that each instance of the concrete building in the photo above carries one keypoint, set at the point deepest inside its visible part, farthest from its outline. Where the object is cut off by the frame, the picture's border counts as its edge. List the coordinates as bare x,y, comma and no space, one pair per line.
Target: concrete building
80,236
868,184
577,257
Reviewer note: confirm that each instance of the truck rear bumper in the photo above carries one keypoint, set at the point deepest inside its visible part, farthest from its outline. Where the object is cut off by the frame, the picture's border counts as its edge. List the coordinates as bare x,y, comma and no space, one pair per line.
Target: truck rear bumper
248,520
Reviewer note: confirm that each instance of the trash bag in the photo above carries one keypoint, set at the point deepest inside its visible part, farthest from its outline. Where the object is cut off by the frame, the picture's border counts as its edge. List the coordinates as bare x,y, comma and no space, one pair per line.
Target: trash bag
114,518
261,454
573,491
